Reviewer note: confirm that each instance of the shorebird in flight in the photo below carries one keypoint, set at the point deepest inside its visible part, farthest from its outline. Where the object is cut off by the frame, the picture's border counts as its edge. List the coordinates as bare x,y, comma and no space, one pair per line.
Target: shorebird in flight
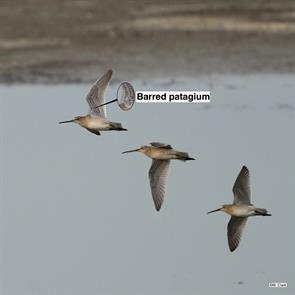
161,154
96,119
241,209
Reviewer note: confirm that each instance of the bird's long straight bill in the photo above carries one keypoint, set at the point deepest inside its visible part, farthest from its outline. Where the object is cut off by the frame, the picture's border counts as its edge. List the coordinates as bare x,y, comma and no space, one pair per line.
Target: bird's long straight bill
130,151
68,121
111,101
214,211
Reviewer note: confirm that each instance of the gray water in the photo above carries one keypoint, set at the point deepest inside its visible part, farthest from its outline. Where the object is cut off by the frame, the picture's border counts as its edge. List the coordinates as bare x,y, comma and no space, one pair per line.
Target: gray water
77,216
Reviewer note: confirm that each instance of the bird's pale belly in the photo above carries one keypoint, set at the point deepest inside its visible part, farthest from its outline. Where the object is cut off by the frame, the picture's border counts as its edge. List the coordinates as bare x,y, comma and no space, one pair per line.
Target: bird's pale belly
160,154
240,211
97,123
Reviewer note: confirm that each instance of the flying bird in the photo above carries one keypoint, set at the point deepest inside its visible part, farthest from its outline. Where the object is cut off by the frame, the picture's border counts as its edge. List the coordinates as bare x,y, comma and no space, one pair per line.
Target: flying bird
161,154
96,119
241,209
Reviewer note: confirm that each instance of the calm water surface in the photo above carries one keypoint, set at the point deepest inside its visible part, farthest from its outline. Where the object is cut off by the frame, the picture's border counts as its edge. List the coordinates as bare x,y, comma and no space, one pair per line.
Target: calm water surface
77,216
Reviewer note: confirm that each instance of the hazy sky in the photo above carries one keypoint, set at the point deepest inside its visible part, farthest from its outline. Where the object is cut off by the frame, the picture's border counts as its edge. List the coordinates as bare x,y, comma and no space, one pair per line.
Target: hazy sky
77,216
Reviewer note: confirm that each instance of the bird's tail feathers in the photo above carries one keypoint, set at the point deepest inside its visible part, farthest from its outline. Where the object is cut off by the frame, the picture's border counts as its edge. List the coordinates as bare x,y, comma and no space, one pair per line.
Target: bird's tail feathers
262,212
184,156
117,126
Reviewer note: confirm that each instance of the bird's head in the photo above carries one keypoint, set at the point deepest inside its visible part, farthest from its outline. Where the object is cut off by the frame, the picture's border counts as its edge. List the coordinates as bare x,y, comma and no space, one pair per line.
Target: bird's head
78,119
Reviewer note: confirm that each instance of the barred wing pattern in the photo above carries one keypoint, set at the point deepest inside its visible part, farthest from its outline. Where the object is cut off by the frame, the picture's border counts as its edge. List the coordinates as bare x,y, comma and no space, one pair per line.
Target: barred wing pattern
96,95
125,96
235,229
158,175
241,188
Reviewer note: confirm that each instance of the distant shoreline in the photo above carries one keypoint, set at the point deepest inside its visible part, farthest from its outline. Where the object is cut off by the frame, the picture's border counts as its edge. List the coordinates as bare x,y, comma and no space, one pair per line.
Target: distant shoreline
71,42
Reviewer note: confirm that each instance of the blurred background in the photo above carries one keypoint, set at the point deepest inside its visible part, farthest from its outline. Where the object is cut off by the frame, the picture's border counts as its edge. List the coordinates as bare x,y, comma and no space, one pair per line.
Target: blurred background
72,40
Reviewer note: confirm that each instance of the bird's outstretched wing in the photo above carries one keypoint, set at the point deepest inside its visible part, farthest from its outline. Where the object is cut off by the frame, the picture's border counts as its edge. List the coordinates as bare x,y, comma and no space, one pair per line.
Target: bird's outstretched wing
160,144
158,175
93,131
241,188
95,97
235,229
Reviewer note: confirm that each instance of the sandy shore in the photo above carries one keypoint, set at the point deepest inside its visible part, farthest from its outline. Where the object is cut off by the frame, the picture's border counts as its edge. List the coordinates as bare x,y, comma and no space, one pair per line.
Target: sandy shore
74,41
